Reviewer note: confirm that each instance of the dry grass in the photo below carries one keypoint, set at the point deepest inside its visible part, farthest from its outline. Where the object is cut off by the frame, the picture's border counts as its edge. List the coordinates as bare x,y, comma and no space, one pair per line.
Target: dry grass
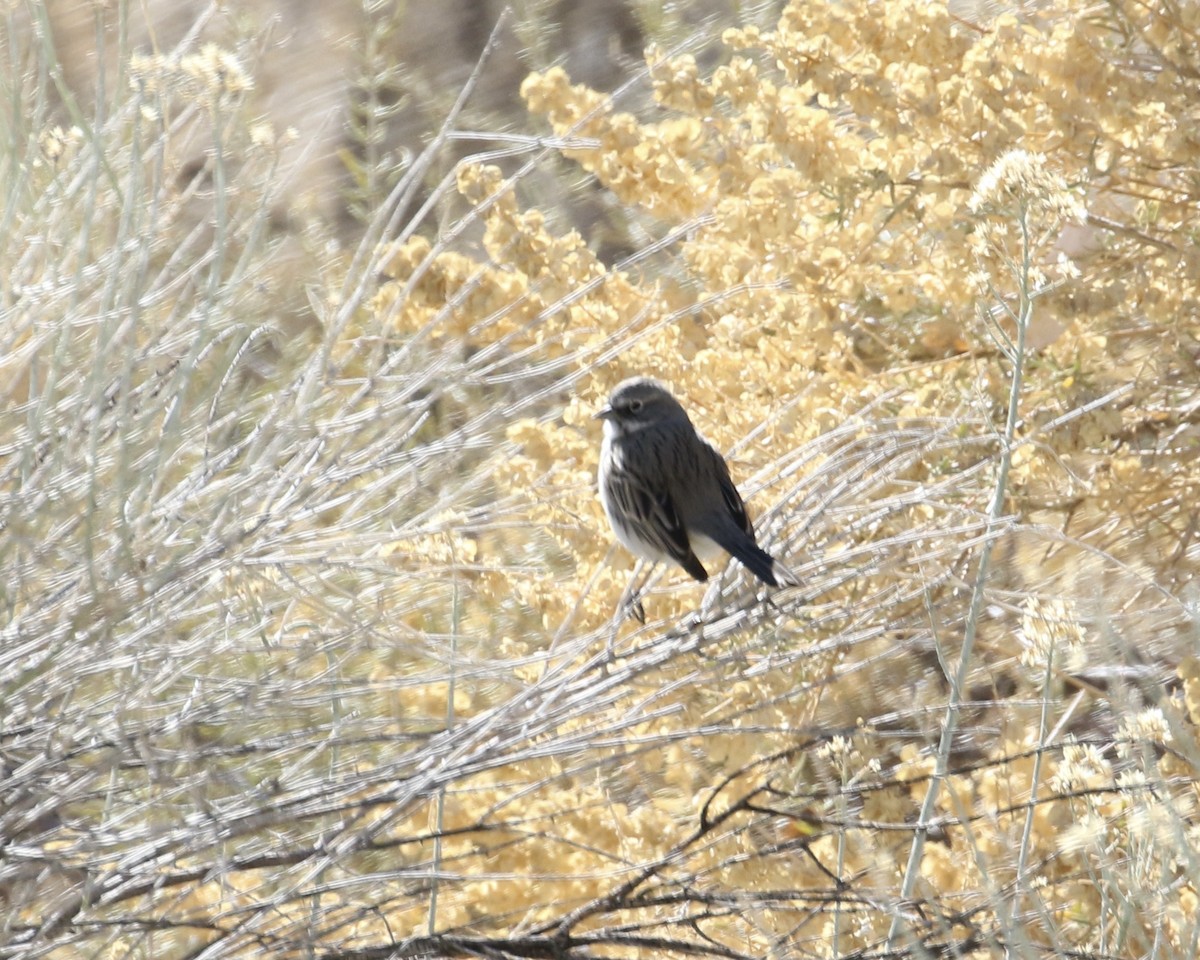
307,643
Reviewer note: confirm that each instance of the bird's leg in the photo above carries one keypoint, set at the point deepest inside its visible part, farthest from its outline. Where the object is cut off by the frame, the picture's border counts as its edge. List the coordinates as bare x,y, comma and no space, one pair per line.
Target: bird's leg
630,605
631,599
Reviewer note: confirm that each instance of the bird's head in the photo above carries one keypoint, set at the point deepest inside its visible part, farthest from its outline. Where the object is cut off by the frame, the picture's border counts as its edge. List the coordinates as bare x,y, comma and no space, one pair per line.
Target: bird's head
637,403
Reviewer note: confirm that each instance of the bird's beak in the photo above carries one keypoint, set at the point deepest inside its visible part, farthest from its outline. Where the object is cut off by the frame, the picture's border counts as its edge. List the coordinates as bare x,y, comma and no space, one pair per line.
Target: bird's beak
604,413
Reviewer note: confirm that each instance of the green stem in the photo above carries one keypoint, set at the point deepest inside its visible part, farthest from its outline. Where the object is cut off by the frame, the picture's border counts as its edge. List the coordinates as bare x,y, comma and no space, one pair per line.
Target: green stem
995,524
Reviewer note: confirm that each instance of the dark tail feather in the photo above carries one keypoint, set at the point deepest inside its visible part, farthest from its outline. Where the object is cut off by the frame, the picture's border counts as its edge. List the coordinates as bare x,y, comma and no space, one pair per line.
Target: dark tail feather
755,559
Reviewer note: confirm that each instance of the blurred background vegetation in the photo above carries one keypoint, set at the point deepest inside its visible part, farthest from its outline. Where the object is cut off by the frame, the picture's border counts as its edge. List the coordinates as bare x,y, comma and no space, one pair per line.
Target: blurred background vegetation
309,642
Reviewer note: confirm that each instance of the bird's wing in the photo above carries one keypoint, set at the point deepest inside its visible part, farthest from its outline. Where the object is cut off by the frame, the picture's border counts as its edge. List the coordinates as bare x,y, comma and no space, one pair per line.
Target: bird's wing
733,499
658,521
740,541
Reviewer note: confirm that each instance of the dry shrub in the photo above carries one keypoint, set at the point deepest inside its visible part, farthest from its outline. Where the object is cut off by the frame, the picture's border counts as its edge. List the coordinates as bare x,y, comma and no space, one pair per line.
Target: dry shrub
351,684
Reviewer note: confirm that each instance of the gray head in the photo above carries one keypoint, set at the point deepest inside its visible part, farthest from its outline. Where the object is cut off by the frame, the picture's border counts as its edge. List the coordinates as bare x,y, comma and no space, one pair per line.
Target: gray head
640,402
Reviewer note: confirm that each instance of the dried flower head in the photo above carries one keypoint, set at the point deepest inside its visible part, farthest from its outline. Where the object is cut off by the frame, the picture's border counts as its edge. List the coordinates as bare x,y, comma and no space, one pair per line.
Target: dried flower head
1082,766
218,71
1051,635
1019,181
1148,726
55,142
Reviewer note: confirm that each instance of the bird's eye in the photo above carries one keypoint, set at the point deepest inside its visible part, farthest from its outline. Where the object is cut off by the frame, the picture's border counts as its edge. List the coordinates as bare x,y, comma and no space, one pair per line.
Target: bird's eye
635,406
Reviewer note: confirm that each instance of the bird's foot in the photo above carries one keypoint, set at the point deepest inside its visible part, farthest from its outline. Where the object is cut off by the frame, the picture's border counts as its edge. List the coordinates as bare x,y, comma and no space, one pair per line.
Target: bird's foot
632,607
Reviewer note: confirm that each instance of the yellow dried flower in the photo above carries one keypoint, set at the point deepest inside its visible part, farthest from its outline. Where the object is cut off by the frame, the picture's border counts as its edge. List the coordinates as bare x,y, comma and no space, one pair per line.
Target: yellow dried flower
218,71
1051,636
1021,180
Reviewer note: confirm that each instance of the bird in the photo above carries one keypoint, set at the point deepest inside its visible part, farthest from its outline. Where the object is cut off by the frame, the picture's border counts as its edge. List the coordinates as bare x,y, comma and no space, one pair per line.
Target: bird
667,491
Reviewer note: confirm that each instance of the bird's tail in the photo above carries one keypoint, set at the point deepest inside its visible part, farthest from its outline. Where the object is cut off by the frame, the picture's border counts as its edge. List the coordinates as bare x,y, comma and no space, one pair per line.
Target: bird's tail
755,559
